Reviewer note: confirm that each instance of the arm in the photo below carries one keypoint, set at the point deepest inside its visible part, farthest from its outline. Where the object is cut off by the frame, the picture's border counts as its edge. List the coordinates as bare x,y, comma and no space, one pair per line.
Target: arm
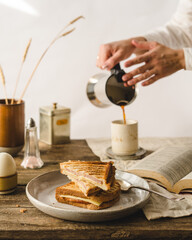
171,51
177,33
166,54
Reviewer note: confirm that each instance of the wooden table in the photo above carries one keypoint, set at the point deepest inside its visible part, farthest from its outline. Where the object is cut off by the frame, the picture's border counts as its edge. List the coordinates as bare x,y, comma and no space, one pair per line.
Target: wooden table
34,224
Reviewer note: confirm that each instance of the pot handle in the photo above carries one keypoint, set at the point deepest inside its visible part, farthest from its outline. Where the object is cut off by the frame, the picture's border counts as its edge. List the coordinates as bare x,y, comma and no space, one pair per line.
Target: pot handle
116,69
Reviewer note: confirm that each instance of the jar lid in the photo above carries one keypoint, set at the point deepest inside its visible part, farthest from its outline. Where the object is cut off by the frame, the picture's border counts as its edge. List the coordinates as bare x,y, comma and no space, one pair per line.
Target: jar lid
53,110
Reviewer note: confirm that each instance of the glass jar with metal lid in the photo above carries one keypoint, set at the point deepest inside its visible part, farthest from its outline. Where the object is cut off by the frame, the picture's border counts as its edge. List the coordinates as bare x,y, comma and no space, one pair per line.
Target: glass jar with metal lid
54,124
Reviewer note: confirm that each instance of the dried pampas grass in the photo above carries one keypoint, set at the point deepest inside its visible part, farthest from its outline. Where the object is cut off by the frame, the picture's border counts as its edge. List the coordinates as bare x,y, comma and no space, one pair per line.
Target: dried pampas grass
20,70
3,82
58,36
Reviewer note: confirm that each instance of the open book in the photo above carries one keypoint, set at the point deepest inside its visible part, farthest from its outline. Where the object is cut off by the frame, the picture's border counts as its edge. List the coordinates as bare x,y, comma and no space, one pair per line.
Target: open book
170,167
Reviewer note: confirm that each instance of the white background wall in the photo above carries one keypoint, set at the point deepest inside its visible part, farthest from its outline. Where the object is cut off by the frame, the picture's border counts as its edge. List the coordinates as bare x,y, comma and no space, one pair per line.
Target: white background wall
162,109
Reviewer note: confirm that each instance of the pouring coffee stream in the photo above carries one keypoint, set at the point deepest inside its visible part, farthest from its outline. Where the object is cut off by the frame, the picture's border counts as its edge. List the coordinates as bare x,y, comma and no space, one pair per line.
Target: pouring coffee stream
124,116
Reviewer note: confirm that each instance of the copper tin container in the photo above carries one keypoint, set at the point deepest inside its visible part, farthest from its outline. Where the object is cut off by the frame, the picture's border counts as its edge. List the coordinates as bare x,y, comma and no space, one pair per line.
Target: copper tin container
12,126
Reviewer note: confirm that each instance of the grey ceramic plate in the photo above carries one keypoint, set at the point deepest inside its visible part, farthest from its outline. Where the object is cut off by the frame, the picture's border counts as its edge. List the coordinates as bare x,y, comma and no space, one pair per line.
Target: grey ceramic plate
138,155
41,192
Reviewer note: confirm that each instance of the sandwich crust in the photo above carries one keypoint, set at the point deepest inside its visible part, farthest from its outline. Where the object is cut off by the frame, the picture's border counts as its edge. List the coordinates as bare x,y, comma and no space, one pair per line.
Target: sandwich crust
87,187
89,206
70,189
100,174
104,198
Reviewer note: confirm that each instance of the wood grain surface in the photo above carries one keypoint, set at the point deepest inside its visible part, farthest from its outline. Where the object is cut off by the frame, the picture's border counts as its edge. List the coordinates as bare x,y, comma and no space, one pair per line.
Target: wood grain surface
20,220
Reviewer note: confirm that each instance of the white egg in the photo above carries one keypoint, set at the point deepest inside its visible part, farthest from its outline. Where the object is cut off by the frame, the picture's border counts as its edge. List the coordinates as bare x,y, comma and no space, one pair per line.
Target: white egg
7,165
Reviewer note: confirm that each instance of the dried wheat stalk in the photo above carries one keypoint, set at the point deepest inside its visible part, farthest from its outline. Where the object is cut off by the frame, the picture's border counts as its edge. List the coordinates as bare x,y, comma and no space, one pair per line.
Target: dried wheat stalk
70,23
21,67
58,36
3,82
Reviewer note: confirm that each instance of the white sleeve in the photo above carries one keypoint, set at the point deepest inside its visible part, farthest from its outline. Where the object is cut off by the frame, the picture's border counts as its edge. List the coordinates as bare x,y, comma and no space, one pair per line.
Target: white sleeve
177,33
188,58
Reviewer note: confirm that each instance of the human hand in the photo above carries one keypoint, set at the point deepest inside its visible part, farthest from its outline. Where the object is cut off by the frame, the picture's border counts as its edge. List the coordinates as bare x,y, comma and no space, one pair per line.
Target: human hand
112,53
160,61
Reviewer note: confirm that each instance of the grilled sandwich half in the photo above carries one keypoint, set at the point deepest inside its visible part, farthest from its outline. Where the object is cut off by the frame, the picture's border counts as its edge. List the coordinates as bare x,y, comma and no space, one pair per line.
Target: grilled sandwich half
71,194
89,176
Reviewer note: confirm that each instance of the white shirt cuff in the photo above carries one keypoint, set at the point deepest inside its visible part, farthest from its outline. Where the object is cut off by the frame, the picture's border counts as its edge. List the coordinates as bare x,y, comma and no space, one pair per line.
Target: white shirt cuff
188,58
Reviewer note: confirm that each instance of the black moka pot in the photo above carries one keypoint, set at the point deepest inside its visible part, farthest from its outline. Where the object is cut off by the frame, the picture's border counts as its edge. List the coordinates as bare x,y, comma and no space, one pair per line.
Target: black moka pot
104,90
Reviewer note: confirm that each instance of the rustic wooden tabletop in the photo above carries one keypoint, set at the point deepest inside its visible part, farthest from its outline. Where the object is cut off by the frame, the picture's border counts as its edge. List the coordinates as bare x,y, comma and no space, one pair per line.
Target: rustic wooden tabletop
19,219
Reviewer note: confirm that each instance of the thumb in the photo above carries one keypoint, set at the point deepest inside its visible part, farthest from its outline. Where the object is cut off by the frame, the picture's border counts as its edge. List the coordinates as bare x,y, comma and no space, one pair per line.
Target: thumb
112,61
144,45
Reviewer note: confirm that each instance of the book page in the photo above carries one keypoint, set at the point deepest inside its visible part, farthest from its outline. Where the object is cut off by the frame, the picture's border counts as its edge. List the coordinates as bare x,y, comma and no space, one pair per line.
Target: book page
171,162
184,184
188,176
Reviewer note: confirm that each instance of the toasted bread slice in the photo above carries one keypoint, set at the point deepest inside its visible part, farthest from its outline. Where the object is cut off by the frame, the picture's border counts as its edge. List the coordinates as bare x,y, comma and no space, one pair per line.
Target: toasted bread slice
100,174
89,206
86,187
71,194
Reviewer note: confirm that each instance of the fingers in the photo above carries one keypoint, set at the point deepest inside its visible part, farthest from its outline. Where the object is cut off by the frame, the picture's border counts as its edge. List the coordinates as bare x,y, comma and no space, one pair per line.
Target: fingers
107,58
112,61
135,72
146,57
103,55
147,82
150,81
144,45
143,76
112,53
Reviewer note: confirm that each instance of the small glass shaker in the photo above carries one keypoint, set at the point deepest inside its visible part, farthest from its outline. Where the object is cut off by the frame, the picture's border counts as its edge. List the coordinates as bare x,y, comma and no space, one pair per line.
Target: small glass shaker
32,155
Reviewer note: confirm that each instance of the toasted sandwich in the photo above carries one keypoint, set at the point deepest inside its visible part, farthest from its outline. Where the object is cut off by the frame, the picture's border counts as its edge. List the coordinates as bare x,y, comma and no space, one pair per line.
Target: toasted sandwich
86,187
71,194
89,175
